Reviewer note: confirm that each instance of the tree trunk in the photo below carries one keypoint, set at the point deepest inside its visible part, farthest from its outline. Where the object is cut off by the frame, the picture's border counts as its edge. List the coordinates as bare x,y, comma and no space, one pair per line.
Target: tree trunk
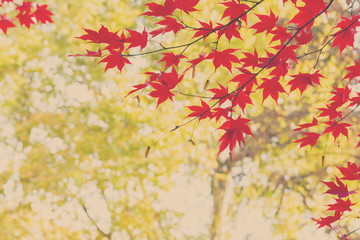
222,191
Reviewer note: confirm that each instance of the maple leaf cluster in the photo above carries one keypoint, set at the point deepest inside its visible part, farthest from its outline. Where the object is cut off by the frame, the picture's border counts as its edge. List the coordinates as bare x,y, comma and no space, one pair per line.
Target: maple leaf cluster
255,72
277,62
27,14
339,189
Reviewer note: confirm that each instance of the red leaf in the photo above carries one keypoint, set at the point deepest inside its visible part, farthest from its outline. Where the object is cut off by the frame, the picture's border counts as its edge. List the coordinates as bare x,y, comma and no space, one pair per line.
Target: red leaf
198,60
304,37
302,80
267,23
327,221
336,128
205,31
250,60
330,111
220,93
242,99
157,10
5,23
115,59
354,71
310,139
42,14
355,100
25,19
307,12
340,205
137,39
234,133
221,112
186,5
25,7
271,87
307,125
230,31
161,92
171,59
245,80
202,111
102,36
351,172
341,96
235,9
224,58
345,36
340,189
280,33
170,24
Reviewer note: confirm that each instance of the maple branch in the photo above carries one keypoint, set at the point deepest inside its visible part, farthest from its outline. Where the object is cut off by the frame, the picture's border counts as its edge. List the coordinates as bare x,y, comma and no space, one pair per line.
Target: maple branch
277,54
237,91
343,237
107,235
196,40
192,95
330,40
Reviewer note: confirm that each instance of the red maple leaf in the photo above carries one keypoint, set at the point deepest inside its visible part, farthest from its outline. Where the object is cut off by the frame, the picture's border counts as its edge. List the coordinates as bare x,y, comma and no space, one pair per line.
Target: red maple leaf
198,60
170,24
351,172
302,80
230,31
330,111
340,205
345,36
161,92
341,190
171,59
25,7
202,111
42,14
234,132
137,39
186,5
304,37
234,9
280,33
250,60
5,23
307,125
336,128
205,31
220,93
245,80
271,87
355,100
221,112
310,139
267,23
25,19
102,36
327,221
242,99
157,10
341,96
224,58
170,79
115,59
308,12
354,71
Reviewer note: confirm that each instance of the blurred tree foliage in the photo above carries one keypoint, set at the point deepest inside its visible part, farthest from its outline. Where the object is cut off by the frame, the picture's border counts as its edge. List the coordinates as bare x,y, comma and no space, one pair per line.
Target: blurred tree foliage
72,149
